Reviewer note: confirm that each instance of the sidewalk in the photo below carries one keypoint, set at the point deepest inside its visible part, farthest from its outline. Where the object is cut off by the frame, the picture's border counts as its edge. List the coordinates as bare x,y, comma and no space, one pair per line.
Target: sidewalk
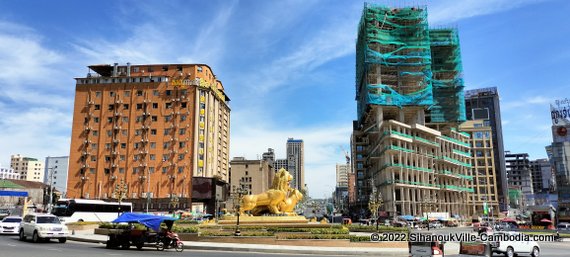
215,246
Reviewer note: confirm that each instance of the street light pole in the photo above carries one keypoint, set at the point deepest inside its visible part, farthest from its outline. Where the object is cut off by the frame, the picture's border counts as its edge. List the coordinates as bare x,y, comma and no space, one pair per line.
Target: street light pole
238,193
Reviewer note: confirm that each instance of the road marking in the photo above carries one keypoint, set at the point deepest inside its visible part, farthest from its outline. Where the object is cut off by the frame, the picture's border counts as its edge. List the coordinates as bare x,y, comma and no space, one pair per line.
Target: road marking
10,244
53,249
115,254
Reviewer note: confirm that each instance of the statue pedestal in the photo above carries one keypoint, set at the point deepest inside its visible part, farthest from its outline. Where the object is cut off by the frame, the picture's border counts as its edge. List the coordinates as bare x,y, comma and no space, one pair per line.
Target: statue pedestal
261,220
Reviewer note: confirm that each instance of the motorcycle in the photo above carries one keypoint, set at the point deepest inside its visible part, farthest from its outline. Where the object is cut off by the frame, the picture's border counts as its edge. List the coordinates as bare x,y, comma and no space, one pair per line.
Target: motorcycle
170,240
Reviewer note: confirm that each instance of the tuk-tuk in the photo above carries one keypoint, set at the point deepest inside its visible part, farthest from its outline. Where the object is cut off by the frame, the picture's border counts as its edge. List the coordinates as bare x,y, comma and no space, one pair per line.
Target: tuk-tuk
124,238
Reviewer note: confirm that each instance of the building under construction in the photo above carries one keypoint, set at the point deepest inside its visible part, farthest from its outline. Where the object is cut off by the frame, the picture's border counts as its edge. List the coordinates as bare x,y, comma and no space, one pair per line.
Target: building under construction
409,93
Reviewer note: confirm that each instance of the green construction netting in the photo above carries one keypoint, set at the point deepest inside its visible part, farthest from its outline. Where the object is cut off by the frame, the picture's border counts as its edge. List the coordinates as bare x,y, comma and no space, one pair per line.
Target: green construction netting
396,43
401,62
449,100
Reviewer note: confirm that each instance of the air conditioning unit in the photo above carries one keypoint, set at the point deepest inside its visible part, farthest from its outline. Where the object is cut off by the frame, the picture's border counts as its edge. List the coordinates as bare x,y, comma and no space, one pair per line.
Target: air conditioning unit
86,195
180,195
105,196
134,195
143,195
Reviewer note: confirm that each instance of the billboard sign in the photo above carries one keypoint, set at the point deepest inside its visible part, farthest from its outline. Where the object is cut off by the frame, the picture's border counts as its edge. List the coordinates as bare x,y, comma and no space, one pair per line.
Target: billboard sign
560,112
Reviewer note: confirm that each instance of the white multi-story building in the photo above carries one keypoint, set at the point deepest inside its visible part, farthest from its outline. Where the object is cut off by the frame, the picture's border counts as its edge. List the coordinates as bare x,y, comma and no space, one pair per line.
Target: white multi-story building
56,170
342,175
27,168
8,173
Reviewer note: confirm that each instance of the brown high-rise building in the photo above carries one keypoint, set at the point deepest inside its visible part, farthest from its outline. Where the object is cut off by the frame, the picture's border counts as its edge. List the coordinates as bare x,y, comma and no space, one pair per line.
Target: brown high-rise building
147,130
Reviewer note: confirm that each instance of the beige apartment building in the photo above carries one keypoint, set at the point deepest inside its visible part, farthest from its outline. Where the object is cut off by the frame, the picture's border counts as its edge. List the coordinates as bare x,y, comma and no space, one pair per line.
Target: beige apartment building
148,128
484,172
256,176
27,168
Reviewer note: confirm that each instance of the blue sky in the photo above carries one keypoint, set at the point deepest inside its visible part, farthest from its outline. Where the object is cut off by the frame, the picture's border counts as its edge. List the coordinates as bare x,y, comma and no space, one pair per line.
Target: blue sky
288,66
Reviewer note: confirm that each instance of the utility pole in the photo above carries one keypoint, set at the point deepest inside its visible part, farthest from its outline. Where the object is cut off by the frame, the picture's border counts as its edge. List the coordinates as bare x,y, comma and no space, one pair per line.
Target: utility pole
50,203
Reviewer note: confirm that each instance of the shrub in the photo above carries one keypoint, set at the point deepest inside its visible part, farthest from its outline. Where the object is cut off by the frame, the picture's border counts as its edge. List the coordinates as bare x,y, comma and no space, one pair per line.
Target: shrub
232,233
315,236
359,239
190,229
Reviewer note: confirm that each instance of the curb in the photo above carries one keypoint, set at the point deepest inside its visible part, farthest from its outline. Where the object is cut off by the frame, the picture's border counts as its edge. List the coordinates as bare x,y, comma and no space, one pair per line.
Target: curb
264,250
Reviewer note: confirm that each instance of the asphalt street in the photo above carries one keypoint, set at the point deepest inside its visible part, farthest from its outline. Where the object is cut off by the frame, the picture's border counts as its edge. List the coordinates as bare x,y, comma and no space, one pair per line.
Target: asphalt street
10,246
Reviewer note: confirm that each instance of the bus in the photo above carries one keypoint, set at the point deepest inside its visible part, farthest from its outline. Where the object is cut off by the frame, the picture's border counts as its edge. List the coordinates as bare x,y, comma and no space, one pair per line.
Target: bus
77,210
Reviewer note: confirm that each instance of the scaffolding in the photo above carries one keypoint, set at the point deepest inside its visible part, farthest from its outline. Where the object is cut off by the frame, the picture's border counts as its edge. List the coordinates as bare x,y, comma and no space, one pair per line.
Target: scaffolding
393,66
449,101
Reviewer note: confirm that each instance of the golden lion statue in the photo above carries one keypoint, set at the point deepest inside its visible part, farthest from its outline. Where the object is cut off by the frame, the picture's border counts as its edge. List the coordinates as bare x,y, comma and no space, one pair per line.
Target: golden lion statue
279,199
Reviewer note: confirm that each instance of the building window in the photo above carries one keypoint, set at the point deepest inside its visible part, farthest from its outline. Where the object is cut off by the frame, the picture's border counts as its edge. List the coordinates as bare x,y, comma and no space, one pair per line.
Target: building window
168,105
168,92
181,144
95,133
182,131
92,170
125,106
152,157
111,94
154,105
111,107
183,104
97,107
153,131
139,106
166,132
154,118
167,118
155,93
127,93
98,94
183,117
152,145
121,170
125,119
181,157
180,169
124,132
123,145
164,169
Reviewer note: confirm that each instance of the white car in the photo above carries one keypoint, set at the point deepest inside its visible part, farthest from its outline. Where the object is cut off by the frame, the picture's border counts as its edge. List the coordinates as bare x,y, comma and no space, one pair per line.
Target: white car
43,227
511,246
10,225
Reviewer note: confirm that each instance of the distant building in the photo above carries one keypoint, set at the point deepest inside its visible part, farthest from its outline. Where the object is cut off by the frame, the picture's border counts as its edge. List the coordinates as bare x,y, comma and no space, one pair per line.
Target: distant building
29,169
255,175
8,173
484,178
543,183
296,162
484,103
279,164
519,178
342,175
58,166
269,156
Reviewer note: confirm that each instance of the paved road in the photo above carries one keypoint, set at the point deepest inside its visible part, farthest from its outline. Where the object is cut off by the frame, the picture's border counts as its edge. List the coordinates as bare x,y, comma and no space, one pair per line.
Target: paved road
10,246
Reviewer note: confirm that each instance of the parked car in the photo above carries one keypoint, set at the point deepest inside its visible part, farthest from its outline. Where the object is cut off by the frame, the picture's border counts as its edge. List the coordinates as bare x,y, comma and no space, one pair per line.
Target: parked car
43,227
10,225
563,226
4,213
514,247
435,225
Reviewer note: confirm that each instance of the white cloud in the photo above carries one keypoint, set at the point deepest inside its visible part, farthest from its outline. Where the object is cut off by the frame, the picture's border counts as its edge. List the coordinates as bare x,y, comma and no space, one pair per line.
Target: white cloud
34,132
23,58
444,12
